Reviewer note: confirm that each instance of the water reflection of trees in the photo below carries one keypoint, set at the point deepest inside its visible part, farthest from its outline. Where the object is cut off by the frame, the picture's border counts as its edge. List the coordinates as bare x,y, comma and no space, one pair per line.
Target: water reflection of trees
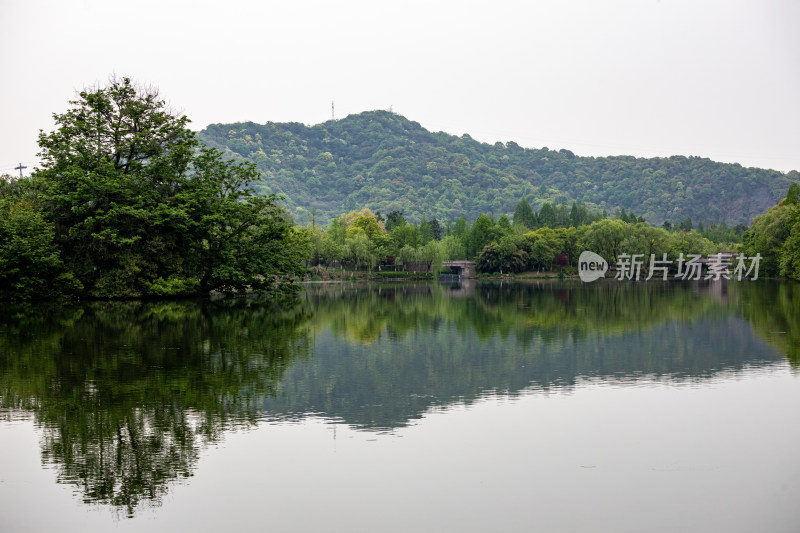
550,311
395,351
126,393
773,309
556,312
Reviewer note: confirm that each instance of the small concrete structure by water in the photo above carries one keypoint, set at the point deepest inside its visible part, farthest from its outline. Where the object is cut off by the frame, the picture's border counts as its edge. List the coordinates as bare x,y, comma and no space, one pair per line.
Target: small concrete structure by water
464,269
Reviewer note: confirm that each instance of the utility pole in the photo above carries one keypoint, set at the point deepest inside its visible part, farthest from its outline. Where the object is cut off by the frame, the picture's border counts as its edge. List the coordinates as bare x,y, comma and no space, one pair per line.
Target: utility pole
333,117
20,167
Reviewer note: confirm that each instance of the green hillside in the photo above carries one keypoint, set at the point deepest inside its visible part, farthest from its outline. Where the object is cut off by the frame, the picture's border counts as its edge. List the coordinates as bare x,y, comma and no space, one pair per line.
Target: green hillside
383,161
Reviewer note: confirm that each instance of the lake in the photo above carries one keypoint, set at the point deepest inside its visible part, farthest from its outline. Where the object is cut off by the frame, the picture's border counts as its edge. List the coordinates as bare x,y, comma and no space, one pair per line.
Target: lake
475,406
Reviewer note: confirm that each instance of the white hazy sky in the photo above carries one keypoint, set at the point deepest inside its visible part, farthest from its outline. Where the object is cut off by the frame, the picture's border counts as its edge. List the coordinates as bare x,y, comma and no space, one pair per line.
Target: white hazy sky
718,79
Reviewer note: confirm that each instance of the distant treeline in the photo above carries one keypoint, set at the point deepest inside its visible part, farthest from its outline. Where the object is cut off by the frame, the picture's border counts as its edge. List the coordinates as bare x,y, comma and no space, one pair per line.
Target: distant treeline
551,238
363,239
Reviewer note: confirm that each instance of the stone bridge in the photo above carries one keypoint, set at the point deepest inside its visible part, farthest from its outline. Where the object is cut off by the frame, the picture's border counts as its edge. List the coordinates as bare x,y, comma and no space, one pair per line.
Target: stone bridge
465,269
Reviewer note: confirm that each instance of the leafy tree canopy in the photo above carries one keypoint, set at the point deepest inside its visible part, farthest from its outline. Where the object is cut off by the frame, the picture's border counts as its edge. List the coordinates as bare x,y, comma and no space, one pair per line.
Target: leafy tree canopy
775,235
139,208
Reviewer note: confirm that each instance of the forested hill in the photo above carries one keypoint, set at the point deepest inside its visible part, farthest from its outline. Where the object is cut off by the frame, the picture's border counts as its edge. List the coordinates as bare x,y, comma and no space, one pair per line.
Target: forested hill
383,161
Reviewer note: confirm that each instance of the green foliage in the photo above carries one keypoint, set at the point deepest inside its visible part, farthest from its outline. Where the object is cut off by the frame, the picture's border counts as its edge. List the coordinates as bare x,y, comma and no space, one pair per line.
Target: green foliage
431,253
504,226
647,240
461,227
720,232
690,242
425,231
388,163
140,210
370,226
453,248
406,235
394,219
767,236
775,235
357,238
173,286
523,215
790,254
605,238
483,232
579,215
436,229
503,257
793,195
547,215
499,246
30,266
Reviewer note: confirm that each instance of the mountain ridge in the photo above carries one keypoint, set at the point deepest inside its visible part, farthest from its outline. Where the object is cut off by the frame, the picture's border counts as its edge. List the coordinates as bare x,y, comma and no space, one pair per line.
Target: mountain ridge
384,161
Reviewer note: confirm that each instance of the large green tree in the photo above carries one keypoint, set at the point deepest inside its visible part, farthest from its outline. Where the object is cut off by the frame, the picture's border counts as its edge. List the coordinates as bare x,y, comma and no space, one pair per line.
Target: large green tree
767,236
502,257
523,215
605,237
140,208
483,231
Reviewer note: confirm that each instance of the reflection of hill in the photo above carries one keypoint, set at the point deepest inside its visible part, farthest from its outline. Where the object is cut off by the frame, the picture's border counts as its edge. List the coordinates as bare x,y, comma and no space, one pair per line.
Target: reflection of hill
125,392
422,348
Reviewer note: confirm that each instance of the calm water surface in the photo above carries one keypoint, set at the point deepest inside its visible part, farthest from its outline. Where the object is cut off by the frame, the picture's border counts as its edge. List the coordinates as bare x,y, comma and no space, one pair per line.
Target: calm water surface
475,407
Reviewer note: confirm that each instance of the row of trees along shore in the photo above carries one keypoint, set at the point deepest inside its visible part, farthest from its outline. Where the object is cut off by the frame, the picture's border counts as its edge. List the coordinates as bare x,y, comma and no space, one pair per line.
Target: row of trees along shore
129,204
776,236
532,240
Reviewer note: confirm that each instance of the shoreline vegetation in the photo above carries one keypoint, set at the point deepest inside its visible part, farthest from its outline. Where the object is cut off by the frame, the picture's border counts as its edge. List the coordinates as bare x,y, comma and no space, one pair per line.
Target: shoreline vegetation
130,204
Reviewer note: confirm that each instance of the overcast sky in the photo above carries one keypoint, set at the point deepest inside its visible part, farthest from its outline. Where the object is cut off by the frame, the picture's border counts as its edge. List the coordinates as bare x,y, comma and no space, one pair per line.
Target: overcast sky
645,78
